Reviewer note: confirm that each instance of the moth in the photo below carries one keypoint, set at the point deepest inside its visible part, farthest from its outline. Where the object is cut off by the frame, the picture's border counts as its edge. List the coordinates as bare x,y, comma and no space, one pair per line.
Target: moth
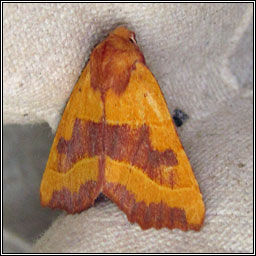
117,137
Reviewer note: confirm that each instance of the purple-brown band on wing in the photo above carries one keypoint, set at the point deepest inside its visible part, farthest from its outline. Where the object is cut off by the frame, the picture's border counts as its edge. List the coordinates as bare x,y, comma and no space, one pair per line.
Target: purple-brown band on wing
86,141
155,215
121,143
75,202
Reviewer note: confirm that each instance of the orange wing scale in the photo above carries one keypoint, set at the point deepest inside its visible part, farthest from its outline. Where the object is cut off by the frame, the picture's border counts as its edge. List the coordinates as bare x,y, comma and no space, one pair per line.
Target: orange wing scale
117,137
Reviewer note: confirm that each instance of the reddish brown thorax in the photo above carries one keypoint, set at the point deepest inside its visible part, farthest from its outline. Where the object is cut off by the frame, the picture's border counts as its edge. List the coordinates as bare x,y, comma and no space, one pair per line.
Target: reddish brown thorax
112,61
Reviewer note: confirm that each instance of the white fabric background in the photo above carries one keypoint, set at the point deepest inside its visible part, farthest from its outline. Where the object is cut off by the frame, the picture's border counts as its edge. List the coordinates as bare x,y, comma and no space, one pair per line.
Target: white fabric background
201,55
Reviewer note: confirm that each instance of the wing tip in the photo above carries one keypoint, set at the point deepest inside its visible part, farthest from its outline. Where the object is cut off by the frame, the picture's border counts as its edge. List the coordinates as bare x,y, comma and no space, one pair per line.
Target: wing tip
72,202
156,215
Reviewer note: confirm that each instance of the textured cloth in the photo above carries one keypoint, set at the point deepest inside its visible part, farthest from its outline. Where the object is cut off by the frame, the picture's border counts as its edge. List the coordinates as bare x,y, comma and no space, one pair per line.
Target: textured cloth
201,55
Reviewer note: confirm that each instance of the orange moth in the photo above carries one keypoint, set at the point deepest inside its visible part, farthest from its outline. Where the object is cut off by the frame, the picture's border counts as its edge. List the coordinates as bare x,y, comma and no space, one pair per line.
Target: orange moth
117,137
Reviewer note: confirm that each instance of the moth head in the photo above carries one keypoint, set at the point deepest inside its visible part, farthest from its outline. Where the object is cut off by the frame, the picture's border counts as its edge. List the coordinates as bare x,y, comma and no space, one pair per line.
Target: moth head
125,34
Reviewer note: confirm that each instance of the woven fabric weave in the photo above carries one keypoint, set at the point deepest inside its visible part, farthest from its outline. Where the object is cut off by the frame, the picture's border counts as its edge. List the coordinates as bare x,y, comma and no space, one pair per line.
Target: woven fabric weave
201,55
